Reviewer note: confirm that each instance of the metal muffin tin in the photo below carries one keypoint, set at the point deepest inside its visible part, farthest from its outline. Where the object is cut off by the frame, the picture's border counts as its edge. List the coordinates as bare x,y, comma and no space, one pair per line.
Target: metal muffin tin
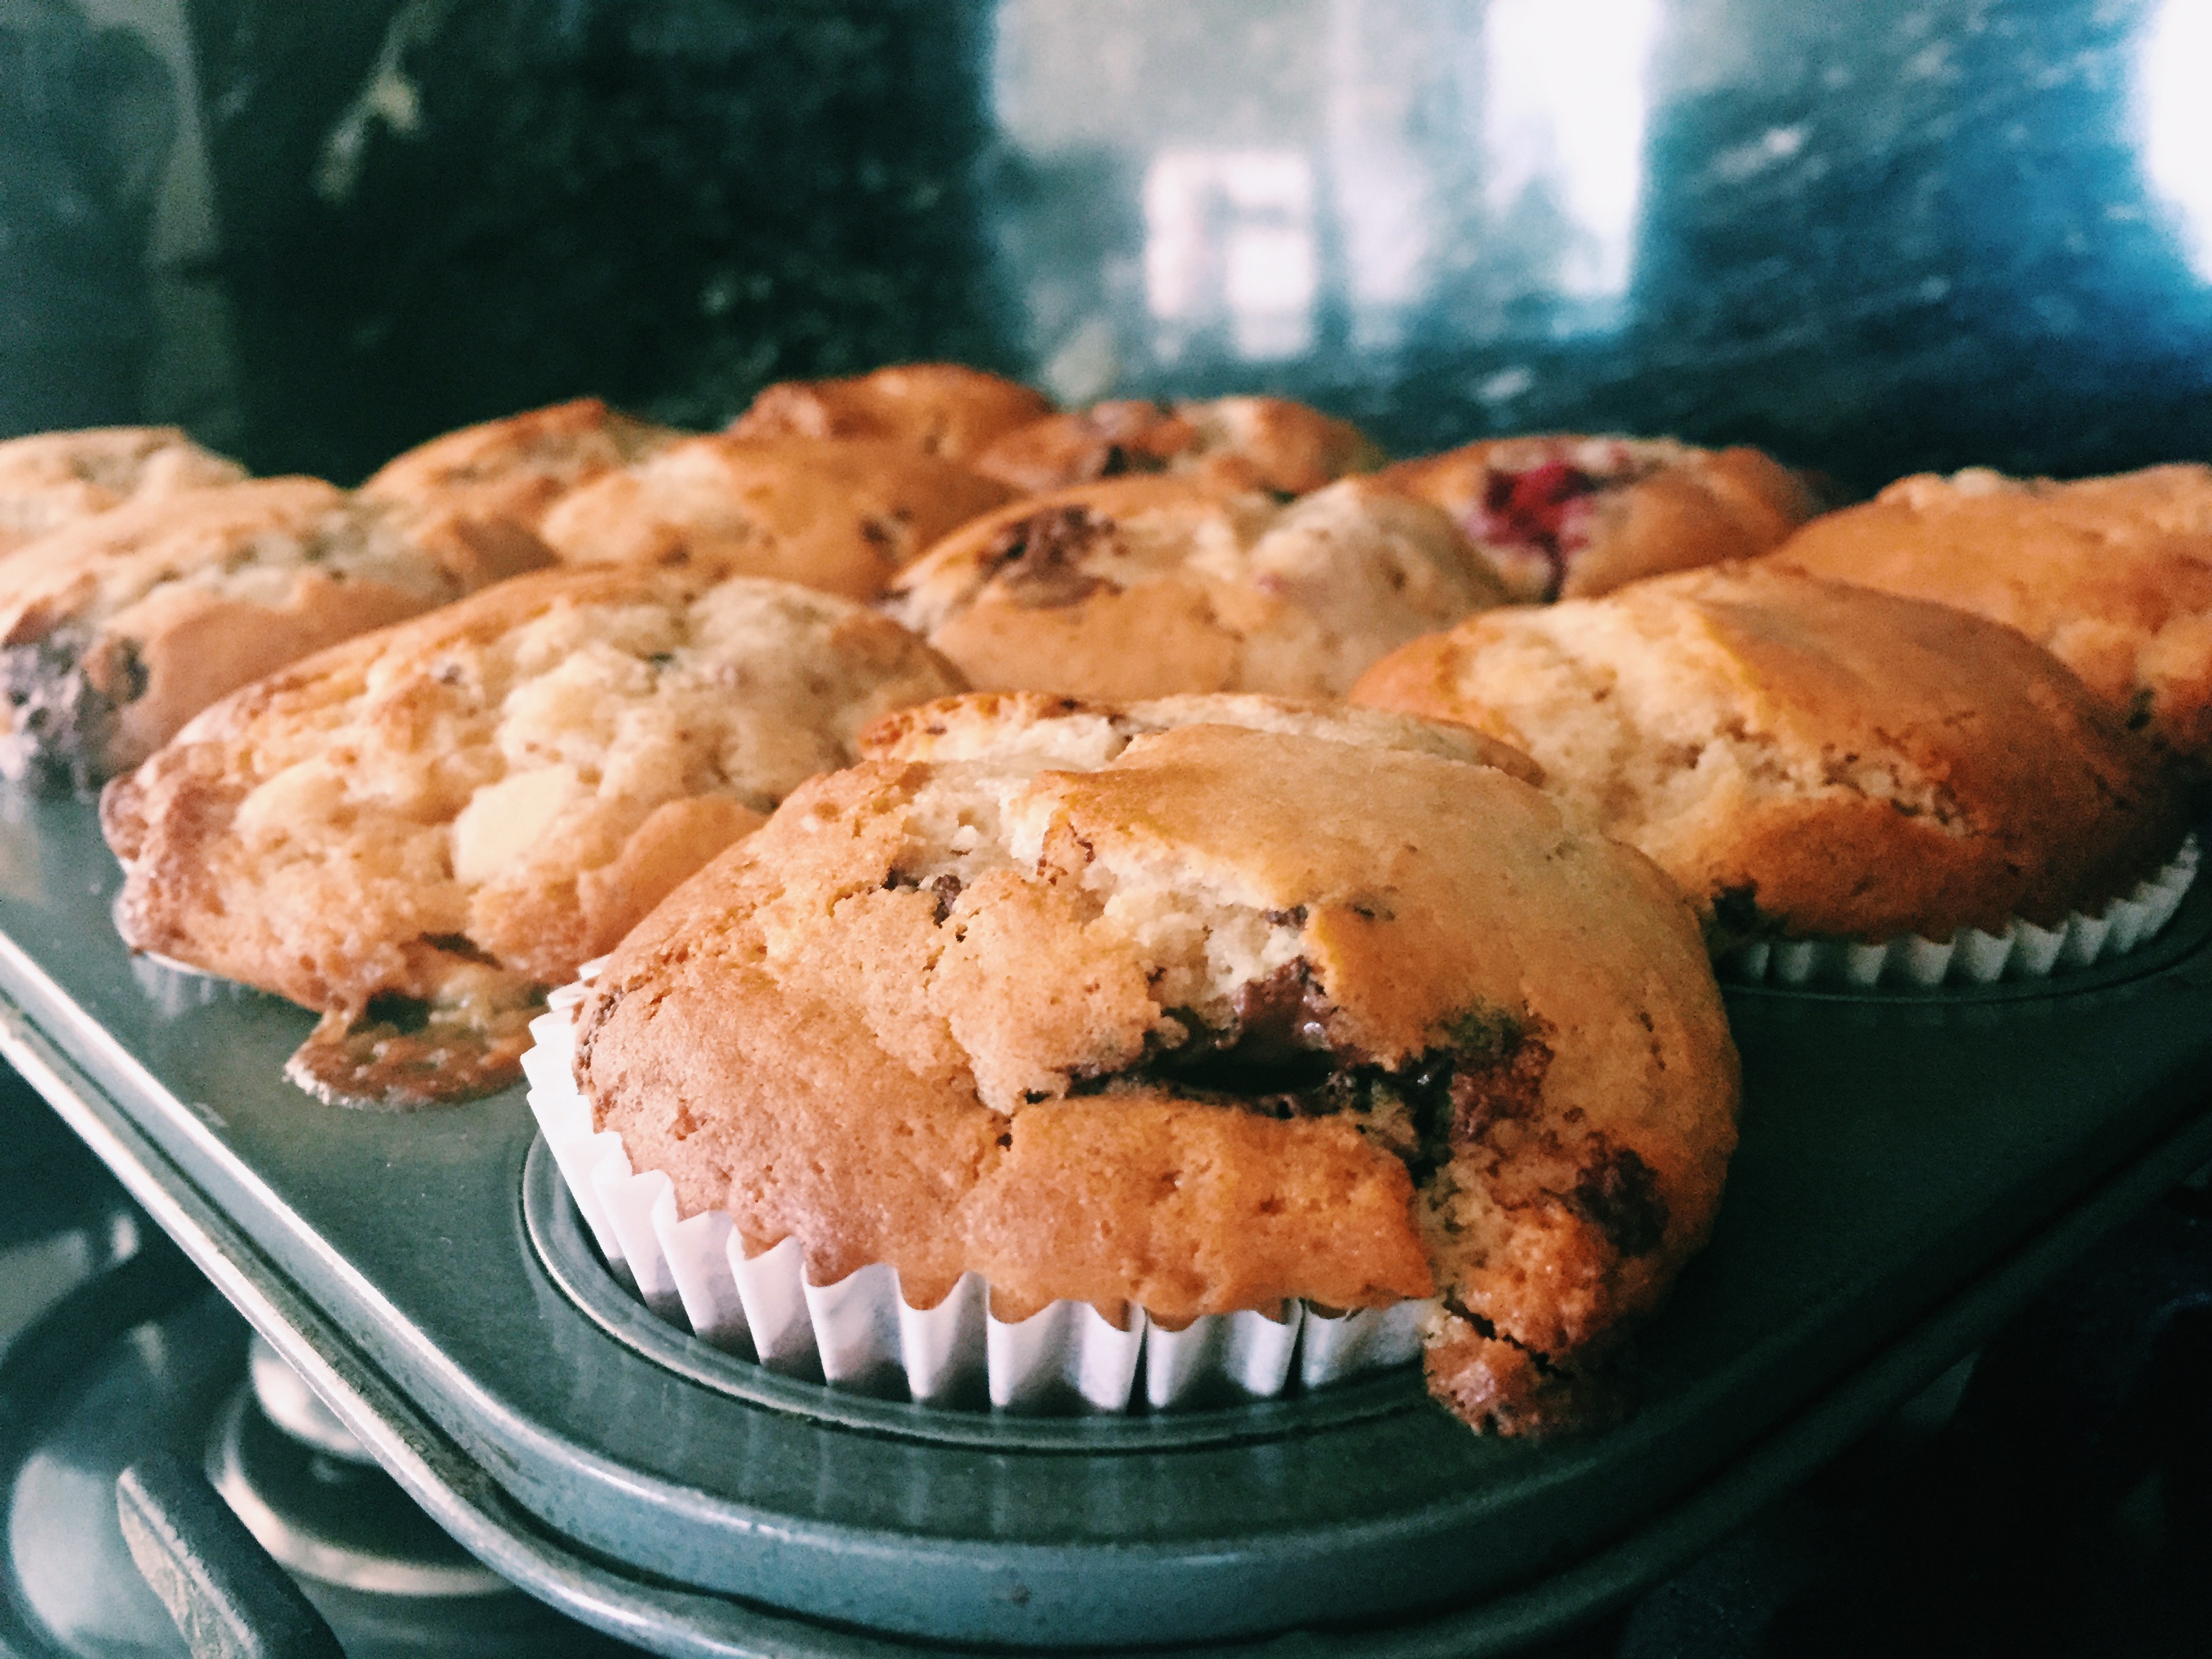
1913,1165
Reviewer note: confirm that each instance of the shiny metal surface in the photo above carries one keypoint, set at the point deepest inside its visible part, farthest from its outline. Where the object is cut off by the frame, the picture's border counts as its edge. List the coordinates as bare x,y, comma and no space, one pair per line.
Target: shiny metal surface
1877,237
1871,1234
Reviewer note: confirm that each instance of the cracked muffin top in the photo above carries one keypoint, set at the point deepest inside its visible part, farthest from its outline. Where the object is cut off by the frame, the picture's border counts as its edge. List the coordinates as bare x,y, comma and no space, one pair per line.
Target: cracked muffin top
455,812
117,630
1233,1016
1013,728
945,410
52,479
1567,517
1143,587
841,515
497,480
2112,576
1808,758
1233,443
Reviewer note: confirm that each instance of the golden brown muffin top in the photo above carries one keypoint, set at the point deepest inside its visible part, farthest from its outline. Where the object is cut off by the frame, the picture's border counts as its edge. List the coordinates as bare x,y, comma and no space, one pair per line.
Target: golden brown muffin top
116,629
1231,443
1234,1017
1036,729
944,409
51,479
2112,575
1808,757
499,479
841,515
1141,587
469,806
1565,516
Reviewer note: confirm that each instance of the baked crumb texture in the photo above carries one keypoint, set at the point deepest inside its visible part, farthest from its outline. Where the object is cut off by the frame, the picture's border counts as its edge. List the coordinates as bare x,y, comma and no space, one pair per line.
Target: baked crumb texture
1146,587
944,409
2112,576
419,830
1220,1019
491,486
51,480
842,514
1267,444
116,631
1569,517
1811,759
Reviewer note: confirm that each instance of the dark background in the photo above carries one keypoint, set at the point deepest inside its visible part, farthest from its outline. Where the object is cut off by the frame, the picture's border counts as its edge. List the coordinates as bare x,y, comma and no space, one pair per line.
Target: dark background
1874,238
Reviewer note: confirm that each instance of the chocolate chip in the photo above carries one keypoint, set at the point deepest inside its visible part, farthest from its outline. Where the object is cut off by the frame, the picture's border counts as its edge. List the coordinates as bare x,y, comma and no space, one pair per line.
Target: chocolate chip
1035,560
1618,1195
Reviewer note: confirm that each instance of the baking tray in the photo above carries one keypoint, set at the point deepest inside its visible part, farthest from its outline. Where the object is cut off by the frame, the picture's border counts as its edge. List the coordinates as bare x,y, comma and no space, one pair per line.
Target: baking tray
1911,1167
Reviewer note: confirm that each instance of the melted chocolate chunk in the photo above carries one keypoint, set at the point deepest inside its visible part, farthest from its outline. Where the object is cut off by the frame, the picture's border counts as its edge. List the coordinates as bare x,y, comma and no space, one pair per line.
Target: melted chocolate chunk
1505,1089
1036,561
1618,1195
402,1052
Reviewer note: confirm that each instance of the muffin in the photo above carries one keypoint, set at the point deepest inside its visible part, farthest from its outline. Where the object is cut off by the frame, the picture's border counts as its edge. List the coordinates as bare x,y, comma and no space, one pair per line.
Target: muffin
2113,576
117,630
842,516
493,483
416,831
944,410
1235,1018
1235,443
51,479
1143,587
1808,758
1567,517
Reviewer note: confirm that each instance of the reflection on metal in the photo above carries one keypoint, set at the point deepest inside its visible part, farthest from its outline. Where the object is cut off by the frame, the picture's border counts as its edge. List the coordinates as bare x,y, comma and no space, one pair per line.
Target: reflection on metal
1229,241
2176,56
1325,184
1563,131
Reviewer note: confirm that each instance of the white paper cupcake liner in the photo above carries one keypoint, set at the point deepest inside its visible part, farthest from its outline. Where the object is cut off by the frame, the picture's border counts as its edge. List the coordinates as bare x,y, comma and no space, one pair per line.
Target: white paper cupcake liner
1970,956
861,1333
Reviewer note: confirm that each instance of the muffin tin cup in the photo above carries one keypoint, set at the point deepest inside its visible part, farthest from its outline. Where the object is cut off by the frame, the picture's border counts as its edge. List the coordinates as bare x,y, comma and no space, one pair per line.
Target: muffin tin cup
2020,950
862,1333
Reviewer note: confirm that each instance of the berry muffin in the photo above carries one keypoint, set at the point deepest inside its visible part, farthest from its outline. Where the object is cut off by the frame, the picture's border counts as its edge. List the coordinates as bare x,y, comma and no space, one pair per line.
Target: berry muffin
841,515
117,630
1808,758
52,479
496,482
1235,443
416,831
944,410
1567,517
1234,1018
1142,587
2112,576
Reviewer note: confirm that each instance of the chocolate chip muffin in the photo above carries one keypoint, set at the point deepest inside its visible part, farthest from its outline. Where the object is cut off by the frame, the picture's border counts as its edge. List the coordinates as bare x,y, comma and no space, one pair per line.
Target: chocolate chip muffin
117,630
1234,1017
1567,517
52,479
1143,587
1233,443
1810,759
416,831
2113,576
841,515
493,484
944,409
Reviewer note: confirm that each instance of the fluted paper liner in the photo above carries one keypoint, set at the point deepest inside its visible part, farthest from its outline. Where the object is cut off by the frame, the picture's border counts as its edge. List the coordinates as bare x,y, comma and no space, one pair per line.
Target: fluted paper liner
2022,951
862,1333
